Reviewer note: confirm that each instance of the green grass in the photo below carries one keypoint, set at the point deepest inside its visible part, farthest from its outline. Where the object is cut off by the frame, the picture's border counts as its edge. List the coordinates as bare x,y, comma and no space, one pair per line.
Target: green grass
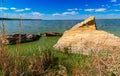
32,47
70,61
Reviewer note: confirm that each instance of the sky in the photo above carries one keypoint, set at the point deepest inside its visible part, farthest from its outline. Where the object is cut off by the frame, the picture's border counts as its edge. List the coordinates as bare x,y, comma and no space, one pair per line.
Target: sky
60,9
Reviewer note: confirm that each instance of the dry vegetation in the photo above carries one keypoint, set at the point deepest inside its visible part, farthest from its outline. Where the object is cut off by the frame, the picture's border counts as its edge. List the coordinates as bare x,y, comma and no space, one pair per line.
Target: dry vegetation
54,63
23,65
46,63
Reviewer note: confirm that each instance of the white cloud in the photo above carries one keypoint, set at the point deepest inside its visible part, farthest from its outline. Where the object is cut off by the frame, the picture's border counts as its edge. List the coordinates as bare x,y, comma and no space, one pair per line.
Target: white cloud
74,9
89,10
27,9
95,10
3,8
100,10
113,1
36,14
65,13
56,14
16,10
70,13
23,15
108,6
13,8
20,10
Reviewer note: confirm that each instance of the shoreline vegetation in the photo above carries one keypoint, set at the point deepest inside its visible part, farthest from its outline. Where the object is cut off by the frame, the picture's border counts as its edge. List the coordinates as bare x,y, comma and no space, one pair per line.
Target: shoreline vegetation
17,19
39,58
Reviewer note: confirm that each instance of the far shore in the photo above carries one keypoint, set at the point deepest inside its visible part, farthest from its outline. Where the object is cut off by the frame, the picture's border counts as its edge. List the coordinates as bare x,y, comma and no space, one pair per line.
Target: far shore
57,19
17,19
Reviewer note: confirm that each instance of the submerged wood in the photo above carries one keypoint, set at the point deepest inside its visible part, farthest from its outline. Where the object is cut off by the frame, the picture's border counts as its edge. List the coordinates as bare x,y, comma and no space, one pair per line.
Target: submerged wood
15,38
51,33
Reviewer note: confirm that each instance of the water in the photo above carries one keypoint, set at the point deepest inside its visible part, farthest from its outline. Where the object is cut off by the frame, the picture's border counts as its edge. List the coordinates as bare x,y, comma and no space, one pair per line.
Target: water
110,25
35,27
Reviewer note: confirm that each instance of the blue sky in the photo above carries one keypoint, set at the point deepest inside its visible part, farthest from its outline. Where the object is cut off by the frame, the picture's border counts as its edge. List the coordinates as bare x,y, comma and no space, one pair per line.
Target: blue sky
61,9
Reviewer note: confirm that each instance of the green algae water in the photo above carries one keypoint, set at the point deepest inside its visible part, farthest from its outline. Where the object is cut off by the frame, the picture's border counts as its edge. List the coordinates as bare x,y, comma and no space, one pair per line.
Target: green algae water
41,26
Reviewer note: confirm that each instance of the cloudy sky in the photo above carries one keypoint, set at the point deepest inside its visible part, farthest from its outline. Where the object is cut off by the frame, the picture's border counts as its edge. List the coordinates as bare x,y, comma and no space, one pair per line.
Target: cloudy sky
60,9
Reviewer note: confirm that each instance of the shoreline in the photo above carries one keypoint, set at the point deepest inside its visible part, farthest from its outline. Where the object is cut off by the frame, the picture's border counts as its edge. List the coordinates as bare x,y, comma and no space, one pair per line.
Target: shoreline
17,19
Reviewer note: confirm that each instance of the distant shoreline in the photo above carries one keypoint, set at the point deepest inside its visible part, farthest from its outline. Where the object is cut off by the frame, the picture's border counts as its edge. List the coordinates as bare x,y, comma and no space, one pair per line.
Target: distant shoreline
58,19
17,19
83,19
